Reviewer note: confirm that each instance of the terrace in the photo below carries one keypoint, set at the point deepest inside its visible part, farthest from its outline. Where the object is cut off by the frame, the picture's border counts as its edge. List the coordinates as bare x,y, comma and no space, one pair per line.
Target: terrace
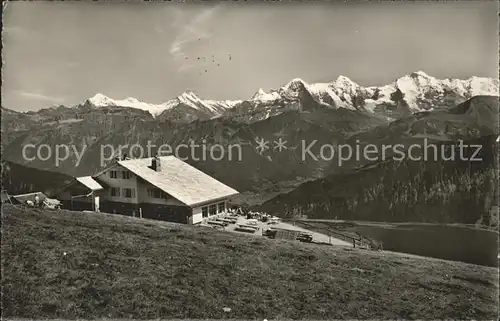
272,227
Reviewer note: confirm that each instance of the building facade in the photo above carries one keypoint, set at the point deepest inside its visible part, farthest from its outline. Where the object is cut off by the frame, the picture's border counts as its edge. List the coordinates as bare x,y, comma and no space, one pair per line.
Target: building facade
163,188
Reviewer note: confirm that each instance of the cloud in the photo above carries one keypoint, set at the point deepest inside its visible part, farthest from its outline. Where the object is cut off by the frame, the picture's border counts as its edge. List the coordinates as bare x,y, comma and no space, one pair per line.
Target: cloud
40,97
190,31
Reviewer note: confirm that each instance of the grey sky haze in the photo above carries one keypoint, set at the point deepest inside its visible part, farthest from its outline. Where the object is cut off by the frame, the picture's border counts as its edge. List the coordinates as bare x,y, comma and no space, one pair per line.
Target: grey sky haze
64,52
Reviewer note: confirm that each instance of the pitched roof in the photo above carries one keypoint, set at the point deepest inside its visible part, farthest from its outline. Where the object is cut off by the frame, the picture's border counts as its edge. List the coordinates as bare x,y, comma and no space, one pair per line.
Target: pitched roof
90,183
180,180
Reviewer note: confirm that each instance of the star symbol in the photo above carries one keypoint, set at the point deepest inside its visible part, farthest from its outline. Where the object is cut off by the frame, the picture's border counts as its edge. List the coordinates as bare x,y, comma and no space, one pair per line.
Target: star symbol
280,145
261,145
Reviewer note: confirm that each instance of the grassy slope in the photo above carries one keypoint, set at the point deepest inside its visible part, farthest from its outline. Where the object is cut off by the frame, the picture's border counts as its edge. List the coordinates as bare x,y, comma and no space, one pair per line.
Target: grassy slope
121,267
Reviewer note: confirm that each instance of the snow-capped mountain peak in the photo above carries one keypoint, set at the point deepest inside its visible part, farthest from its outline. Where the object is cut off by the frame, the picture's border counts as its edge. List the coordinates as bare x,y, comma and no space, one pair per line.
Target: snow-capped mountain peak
209,108
188,97
294,83
344,84
417,90
421,91
189,94
482,86
101,100
344,79
132,100
259,94
262,96
420,73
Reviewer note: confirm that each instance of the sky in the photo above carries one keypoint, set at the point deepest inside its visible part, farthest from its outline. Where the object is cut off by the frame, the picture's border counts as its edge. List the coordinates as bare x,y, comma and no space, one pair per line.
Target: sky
65,52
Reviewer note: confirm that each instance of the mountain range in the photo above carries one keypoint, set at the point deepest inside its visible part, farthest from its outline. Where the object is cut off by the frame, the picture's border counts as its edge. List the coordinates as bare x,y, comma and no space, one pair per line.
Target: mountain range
410,109
410,93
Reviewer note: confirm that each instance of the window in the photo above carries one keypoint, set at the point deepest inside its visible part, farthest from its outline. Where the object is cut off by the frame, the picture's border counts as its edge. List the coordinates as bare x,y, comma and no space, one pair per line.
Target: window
213,209
221,207
204,211
113,174
157,193
114,191
129,192
126,175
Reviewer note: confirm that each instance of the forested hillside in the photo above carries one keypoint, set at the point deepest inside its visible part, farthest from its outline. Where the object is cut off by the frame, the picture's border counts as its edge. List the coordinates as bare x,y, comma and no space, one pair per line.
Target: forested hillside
408,190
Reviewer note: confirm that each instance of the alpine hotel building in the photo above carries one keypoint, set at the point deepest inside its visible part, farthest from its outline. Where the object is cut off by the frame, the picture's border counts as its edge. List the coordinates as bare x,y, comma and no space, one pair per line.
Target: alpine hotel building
163,188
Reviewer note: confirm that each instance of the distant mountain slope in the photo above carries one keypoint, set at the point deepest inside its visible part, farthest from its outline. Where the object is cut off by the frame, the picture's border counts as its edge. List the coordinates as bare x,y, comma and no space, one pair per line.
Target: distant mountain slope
484,109
408,190
18,179
475,117
100,120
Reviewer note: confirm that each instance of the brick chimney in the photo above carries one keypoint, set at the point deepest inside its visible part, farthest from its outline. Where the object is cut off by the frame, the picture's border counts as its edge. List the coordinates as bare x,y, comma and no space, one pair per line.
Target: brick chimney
156,163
